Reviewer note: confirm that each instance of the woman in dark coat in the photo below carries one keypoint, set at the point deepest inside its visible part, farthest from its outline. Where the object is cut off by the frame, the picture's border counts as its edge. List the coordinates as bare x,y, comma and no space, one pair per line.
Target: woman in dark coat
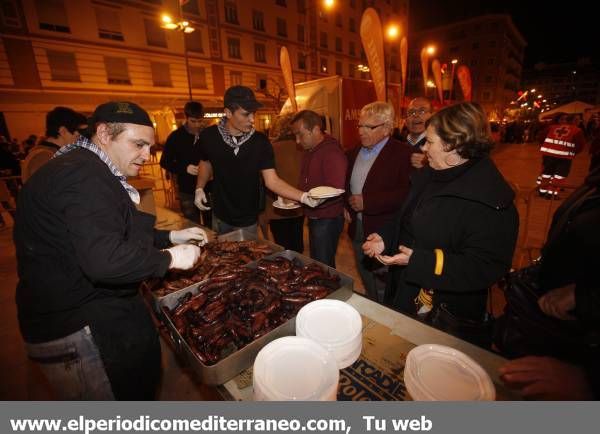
456,233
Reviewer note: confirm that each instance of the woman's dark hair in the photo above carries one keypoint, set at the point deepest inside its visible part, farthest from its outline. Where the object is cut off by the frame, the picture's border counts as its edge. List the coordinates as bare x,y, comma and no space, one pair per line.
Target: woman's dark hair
463,127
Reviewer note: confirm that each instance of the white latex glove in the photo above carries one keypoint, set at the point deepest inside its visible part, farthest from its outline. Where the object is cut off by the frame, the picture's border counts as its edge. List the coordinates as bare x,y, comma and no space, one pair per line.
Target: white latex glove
184,256
192,170
186,235
310,201
200,200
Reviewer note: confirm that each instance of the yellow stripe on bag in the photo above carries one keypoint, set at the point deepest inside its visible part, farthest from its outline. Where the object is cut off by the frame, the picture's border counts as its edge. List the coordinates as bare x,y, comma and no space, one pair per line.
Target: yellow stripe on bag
439,262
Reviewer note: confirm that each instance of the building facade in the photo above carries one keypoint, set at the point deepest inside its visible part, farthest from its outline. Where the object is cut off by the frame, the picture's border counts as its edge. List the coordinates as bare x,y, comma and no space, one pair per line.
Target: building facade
565,82
490,45
80,53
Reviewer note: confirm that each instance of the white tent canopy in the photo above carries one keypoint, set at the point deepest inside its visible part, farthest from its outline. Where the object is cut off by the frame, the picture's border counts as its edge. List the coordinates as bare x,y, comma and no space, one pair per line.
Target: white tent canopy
575,107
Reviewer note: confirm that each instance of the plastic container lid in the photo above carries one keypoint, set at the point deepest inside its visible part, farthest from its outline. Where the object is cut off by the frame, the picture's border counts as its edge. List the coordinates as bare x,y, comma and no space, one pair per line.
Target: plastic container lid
295,368
439,373
335,325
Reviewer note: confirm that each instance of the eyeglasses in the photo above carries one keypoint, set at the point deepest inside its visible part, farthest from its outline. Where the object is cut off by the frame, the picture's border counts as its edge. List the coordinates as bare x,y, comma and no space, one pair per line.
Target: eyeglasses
370,127
419,112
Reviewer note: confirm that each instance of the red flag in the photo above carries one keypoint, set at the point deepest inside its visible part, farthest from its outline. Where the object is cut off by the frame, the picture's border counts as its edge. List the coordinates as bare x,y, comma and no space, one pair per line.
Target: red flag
286,70
404,63
371,36
425,67
464,79
437,77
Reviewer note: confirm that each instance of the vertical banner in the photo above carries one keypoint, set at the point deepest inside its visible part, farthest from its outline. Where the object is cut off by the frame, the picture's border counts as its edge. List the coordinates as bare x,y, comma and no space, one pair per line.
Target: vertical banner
286,69
437,78
371,36
425,67
403,65
464,79
355,95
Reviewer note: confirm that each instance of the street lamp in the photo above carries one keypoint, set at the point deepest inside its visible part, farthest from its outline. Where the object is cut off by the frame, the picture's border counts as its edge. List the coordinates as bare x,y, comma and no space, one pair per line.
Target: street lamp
326,5
454,62
426,52
184,27
392,32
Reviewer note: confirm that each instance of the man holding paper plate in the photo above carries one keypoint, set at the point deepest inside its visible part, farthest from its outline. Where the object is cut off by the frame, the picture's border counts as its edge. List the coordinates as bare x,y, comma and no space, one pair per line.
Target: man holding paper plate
323,175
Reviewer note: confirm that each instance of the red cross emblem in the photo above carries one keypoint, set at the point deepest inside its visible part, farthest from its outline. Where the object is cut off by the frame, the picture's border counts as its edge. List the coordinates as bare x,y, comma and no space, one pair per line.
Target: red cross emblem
561,132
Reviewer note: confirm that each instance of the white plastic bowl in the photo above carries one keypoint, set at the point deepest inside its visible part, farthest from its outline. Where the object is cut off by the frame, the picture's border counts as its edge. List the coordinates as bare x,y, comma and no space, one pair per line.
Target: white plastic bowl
335,325
295,368
440,373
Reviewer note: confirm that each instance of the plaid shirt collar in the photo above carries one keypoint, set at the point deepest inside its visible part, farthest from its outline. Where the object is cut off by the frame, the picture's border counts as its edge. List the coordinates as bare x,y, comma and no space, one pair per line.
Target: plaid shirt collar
85,143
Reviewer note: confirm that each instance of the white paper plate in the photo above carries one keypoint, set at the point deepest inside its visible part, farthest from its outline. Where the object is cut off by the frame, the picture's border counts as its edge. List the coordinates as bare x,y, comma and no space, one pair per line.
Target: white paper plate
293,368
440,373
325,192
291,205
335,325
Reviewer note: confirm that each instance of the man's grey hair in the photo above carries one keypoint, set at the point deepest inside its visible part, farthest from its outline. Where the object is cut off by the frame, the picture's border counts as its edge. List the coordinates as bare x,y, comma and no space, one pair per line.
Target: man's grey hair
114,129
383,111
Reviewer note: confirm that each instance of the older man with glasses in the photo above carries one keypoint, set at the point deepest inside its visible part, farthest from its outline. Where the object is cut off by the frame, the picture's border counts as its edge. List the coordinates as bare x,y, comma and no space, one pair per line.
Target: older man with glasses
376,185
418,112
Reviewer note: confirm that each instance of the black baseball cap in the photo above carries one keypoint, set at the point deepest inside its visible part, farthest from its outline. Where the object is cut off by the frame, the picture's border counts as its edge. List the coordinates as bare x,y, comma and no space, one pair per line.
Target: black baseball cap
122,112
241,96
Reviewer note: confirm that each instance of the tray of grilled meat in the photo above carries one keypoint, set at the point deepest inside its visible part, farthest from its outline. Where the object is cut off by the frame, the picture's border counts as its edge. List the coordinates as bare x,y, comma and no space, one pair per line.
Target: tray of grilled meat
221,256
219,325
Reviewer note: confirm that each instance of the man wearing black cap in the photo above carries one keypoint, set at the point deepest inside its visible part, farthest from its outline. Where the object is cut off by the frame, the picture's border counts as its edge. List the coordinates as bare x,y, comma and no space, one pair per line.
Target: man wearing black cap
236,157
82,250
180,157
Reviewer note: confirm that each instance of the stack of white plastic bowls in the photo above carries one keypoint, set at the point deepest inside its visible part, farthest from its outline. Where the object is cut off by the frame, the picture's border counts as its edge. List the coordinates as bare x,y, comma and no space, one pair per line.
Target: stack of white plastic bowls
334,325
295,368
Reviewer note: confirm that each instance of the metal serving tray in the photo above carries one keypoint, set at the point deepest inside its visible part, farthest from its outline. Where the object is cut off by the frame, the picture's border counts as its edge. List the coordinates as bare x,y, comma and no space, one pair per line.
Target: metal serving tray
238,235
235,363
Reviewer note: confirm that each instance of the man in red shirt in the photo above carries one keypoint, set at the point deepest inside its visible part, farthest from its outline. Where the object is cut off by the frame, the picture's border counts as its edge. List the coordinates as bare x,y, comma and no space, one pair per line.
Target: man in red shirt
323,164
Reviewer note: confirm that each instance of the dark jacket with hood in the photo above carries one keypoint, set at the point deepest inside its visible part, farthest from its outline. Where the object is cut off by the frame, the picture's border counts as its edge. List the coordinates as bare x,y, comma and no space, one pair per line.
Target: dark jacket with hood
467,214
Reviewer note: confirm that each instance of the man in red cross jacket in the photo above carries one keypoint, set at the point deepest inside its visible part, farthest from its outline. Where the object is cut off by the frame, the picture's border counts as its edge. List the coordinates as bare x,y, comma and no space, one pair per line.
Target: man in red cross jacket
563,141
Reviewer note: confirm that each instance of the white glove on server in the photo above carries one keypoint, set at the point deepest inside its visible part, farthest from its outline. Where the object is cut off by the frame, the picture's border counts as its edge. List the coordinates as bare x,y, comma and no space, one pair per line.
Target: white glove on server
200,200
310,201
184,256
186,235
192,169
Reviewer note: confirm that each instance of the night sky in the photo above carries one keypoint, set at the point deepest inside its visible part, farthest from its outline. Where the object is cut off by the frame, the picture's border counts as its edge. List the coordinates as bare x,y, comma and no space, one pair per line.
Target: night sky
554,33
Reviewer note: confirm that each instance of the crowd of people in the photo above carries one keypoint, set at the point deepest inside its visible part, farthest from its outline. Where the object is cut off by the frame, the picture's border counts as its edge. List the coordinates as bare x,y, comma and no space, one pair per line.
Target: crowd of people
432,222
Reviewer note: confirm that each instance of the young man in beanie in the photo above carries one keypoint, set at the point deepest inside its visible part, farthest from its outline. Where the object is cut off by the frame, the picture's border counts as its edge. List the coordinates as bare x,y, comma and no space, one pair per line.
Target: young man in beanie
180,157
82,250
236,156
